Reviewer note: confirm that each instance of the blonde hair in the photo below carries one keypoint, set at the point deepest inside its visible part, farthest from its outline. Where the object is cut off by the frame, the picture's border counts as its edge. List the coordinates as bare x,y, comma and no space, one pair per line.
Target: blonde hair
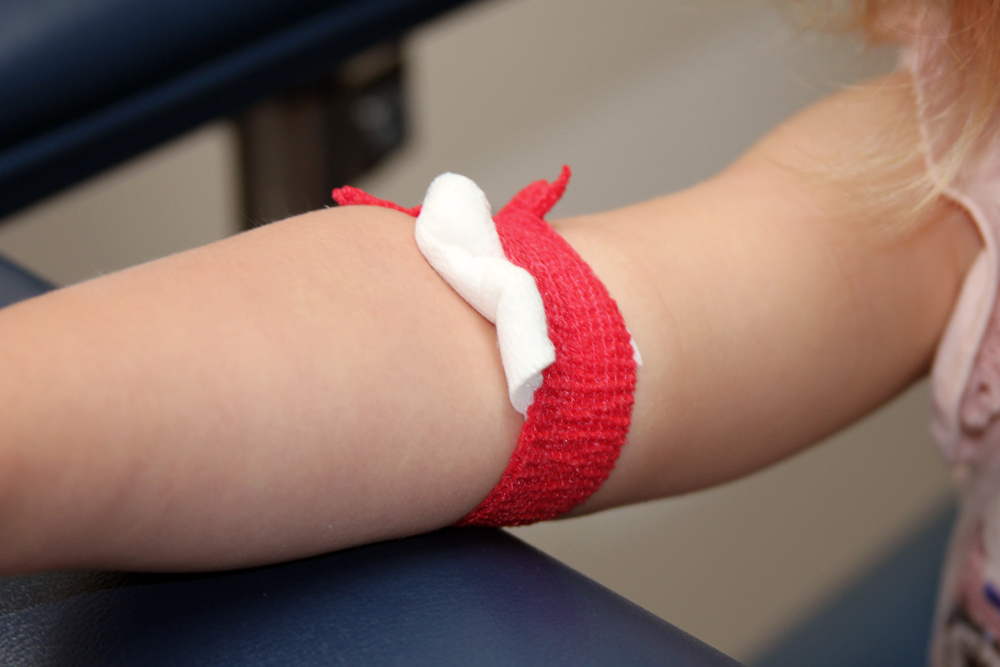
960,86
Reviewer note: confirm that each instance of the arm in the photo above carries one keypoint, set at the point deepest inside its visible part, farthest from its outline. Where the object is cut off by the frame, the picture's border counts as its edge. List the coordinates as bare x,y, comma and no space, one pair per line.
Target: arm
312,384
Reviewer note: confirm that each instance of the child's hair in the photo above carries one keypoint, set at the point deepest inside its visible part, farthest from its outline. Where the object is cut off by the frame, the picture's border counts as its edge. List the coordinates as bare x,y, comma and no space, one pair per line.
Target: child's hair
961,88
958,42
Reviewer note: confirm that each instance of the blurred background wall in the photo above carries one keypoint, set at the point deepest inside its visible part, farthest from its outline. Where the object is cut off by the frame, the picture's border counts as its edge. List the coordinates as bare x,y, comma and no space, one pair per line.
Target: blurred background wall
640,97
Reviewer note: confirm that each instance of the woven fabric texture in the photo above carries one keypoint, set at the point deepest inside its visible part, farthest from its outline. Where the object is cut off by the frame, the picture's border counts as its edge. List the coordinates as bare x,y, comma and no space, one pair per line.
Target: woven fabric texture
575,428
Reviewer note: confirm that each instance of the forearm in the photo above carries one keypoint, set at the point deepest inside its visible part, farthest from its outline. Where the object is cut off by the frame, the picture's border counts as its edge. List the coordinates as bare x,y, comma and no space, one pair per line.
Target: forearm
300,388
313,384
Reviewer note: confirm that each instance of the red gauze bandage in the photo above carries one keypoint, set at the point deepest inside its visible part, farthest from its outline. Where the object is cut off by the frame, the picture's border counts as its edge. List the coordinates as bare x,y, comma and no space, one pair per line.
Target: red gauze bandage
575,428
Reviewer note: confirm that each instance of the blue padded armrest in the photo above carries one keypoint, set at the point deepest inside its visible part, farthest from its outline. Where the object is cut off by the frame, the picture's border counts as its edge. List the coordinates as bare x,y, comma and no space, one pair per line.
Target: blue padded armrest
85,84
459,597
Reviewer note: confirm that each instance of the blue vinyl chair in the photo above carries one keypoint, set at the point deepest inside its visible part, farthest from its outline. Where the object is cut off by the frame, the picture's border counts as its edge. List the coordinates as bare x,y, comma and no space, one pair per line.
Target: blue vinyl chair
460,597
85,84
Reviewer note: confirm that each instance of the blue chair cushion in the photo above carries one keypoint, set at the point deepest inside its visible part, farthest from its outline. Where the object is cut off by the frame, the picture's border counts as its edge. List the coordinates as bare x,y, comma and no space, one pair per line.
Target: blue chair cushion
459,597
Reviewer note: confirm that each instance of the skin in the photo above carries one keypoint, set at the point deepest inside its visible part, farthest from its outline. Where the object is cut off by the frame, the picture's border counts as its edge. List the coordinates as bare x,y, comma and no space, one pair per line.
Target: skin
313,384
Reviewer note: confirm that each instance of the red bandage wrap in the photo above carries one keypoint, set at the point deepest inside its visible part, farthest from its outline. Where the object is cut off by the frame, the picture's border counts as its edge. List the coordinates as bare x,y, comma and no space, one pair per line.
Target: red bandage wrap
575,428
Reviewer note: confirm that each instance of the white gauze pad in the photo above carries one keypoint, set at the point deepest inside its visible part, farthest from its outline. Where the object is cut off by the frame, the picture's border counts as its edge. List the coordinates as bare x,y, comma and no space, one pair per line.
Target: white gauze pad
456,234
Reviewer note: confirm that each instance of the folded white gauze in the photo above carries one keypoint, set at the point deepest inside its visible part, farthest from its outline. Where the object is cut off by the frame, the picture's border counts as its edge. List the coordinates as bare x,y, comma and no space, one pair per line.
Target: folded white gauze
455,232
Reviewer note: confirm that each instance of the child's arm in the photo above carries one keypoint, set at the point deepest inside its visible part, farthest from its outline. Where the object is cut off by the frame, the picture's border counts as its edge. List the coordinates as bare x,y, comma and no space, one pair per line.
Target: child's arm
313,384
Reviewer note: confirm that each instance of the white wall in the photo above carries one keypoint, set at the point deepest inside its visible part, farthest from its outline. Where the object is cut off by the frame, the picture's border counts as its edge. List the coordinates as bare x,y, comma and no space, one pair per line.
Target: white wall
640,97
